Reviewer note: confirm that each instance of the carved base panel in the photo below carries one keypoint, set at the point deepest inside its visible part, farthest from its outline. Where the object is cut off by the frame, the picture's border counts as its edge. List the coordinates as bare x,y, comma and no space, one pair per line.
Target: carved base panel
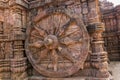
85,74
73,78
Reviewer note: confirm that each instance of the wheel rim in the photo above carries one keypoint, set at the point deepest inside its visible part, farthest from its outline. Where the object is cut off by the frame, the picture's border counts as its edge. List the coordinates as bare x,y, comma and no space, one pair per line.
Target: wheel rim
56,46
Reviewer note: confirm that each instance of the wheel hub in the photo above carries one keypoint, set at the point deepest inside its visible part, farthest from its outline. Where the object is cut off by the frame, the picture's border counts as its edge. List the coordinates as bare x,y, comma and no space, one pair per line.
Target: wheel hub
51,42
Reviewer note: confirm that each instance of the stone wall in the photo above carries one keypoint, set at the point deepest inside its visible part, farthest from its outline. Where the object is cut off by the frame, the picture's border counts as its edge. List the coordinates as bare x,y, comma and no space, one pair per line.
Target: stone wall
20,28
111,18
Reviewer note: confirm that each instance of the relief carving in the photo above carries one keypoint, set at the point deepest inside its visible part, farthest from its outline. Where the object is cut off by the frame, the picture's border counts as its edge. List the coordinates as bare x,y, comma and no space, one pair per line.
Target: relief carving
51,55
49,39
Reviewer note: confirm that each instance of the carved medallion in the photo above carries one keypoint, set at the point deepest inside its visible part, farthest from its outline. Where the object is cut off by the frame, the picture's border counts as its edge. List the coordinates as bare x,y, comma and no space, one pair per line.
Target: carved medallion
57,45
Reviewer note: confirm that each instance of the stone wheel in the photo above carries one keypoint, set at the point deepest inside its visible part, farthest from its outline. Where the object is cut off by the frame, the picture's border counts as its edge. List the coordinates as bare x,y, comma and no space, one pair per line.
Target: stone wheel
57,45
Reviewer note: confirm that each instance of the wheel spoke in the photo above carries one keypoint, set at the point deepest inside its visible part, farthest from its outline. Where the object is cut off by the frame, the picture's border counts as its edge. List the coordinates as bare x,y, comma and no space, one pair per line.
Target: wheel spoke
37,36
37,44
53,24
65,27
65,35
66,54
50,57
43,54
35,52
55,60
59,24
63,62
41,31
69,41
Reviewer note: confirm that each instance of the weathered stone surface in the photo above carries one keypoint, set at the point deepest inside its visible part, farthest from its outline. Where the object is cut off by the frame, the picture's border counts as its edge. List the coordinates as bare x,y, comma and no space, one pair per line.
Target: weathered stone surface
111,18
49,38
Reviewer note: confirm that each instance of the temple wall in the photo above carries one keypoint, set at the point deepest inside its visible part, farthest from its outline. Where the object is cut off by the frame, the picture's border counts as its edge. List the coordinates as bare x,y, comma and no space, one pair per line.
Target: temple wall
17,16
111,34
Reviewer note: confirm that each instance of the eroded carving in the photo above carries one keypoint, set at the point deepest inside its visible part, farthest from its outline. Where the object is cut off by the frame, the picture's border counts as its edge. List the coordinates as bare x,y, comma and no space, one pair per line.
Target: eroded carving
57,42
56,45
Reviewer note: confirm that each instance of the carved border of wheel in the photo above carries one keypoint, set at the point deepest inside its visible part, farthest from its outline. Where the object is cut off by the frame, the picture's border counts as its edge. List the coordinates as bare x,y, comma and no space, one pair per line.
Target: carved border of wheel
51,42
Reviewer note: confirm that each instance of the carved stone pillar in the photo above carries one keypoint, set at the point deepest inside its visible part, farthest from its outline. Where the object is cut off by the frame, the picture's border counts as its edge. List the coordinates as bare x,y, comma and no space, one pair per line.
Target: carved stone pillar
99,55
18,62
118,25
5,45
90,11
13,63
118,16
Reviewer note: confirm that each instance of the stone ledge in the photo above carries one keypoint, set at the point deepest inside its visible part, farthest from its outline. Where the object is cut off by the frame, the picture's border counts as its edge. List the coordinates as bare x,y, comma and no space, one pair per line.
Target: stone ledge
74,78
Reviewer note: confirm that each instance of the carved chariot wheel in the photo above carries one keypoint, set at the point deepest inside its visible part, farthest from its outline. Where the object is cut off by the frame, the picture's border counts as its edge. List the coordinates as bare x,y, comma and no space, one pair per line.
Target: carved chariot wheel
57,45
